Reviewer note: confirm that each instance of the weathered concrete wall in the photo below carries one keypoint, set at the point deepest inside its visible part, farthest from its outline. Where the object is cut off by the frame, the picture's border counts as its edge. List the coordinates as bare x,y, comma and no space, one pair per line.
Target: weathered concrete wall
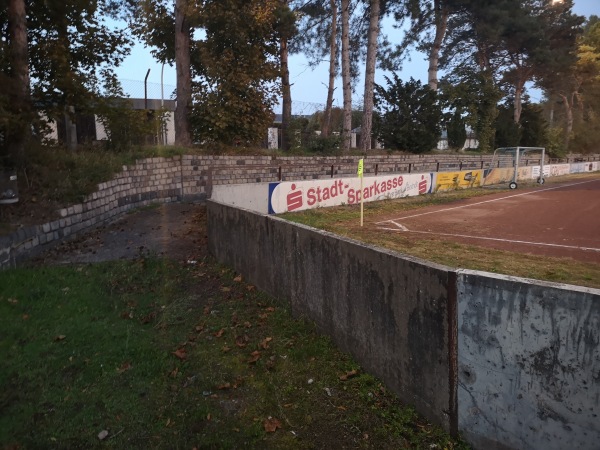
511,363
529,363
394,315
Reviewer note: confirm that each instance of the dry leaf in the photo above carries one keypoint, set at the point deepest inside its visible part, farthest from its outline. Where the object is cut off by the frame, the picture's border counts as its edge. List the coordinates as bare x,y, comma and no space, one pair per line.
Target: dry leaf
348,375
250,287
148,318
254,356
225,289
200,328
174,372
180,353
238,278
225,349
124,367
270,309
206,310
60,337
241,341
224,386
247,324
219,333
271,424
25,316
265,343
13,301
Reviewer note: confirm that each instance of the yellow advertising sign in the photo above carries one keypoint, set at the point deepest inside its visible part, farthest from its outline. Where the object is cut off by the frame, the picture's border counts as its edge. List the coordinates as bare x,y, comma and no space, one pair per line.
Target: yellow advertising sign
360,167
446,181
500,175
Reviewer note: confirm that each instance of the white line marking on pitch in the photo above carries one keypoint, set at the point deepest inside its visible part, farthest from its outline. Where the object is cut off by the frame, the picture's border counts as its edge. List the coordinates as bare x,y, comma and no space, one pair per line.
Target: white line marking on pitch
399,225
498,239
485,201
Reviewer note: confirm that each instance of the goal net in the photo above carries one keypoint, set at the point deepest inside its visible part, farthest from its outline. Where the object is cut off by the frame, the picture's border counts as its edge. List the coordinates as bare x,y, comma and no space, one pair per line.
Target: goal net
513,164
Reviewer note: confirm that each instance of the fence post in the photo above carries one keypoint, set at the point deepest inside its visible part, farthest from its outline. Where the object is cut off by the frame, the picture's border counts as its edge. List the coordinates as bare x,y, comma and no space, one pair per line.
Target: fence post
482,163
279,176
376,169
437,166
460,165
409,167
332,171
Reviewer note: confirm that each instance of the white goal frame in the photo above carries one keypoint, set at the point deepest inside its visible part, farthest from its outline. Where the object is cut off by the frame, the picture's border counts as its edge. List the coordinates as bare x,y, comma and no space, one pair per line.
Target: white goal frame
518,154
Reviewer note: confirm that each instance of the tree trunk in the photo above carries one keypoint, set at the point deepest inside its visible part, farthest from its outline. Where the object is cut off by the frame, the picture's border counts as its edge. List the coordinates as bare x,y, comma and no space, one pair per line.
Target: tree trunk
326,125
518,102
569,114
441,24
19,93
287,94
346,81
183,135
367,121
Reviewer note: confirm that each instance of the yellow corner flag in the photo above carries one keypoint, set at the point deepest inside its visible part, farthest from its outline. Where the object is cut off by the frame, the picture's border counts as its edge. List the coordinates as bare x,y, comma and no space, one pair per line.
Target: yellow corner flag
360,167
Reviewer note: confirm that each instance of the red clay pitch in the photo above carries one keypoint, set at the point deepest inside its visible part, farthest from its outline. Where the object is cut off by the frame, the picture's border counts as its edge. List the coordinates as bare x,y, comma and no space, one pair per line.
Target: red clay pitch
560,220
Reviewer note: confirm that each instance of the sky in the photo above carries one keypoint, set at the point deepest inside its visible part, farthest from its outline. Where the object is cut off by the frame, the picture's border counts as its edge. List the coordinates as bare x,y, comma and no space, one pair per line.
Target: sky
309,89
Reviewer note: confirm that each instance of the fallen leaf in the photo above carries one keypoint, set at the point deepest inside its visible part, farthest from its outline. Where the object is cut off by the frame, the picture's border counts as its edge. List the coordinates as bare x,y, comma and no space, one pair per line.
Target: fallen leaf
265,343
200,328
241,341
180,353
102,435
219,333
206,310
238,278
254,356
127,315
225,349
270,309
271,424
25,316
174,372
224,386
263,316
348,375
225,289
124,367
148,318
60,337
13,301
250,287
247,324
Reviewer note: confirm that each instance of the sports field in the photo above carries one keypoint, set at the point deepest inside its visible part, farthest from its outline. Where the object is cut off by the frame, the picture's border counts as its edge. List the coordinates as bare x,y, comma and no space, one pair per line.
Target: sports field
549,232
561,220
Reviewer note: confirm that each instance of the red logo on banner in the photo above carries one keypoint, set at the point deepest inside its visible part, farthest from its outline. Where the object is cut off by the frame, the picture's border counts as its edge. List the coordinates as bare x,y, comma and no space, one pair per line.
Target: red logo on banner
422,185
294,199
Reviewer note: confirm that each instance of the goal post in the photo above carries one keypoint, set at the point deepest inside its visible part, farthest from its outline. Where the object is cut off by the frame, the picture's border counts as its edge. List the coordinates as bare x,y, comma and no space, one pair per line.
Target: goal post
511,164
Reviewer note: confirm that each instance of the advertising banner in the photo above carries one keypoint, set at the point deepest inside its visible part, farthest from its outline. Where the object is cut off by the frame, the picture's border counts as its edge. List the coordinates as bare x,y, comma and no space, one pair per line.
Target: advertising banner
445,181
525,173
582,167
301,195
552,170
499,175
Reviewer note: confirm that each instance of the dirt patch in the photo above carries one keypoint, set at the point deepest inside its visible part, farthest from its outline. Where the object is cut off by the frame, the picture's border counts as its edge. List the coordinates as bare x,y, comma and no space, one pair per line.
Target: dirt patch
173,230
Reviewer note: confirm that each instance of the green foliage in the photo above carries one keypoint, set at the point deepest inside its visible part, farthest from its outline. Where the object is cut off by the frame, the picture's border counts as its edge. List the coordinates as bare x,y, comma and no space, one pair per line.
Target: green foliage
409,116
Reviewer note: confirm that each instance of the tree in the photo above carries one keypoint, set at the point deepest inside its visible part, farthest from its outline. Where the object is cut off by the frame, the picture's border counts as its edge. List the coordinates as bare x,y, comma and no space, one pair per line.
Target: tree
67,42
237,69
15,103
346,78
409,115
234,55
183,132
374,17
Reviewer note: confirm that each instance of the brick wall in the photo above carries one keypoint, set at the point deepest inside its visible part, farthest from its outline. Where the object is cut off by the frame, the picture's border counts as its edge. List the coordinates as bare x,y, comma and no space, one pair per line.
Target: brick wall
191,177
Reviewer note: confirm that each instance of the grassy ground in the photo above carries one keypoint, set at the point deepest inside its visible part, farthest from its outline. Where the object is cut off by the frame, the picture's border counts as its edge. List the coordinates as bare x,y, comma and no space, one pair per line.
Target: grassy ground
149,354
344,221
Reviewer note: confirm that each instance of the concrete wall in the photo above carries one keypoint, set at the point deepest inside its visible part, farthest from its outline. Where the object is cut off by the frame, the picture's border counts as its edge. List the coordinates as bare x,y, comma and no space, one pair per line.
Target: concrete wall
529,363
394,315
511,363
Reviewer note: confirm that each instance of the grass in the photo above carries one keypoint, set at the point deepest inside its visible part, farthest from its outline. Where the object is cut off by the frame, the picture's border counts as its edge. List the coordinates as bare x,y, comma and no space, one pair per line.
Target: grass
160,355
344,221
